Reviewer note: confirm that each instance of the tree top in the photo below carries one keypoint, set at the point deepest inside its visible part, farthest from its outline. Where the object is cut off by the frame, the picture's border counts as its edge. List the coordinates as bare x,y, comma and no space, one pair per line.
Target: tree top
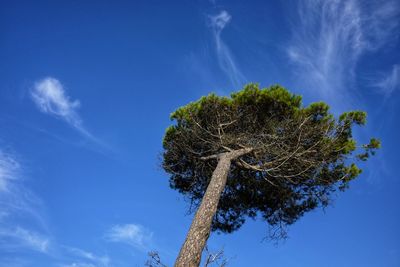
298,155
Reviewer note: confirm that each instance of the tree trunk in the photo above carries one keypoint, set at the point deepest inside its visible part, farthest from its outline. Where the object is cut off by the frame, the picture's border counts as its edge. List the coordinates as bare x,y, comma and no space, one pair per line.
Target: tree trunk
190,254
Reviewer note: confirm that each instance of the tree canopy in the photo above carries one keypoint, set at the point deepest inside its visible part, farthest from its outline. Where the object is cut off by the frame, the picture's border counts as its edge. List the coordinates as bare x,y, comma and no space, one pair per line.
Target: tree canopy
299,154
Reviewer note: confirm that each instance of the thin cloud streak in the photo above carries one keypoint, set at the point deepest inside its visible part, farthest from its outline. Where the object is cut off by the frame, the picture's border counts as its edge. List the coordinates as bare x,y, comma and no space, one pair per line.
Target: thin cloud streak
134,235
51,98
330,37
18,237
389,82
225,58
15,199
22,226
18,204
8,172
85,258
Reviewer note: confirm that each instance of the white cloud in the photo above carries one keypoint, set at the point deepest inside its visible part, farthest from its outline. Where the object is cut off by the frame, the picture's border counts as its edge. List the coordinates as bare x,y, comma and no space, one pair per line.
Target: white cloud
32,239
22,225
132,234
9,168
18,205
220,21
16,201
22,238
390,81
330,36
94,260
225,58
50,97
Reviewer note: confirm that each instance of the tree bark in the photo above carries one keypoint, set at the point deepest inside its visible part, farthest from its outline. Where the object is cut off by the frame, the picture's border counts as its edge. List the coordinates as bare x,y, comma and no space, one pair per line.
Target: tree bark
190,253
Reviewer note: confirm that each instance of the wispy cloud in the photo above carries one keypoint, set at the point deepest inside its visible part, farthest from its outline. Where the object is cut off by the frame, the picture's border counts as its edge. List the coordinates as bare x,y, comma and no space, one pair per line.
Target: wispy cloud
16,200
18,204
225,58
23,226
86,259
18,237
51,98
329,37
390,81
134,235
9,169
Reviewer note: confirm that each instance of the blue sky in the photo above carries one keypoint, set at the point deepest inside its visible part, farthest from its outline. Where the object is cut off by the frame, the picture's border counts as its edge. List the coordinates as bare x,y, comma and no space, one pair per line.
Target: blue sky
86,89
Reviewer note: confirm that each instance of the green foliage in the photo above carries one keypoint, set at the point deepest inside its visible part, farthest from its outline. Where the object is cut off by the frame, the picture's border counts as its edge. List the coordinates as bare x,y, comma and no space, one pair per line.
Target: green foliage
369,149
300,154
273,95
358,117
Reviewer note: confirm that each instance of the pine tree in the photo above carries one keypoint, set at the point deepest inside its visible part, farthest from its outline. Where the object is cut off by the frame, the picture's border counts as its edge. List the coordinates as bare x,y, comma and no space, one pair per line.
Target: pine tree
258,153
